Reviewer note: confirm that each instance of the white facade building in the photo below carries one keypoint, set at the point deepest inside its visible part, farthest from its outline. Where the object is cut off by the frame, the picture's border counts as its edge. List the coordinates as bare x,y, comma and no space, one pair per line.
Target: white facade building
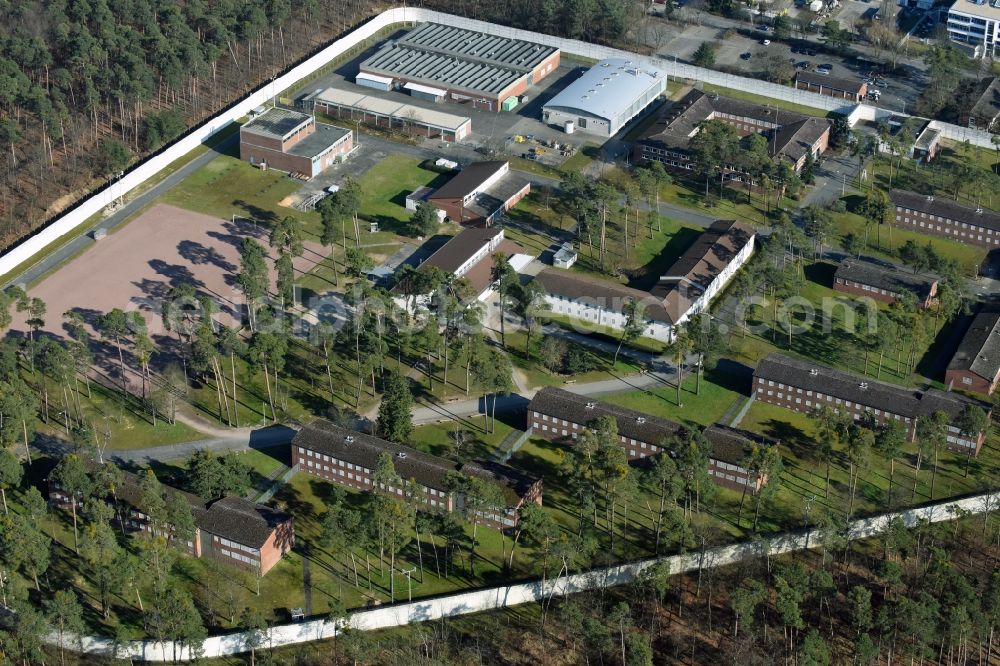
975,23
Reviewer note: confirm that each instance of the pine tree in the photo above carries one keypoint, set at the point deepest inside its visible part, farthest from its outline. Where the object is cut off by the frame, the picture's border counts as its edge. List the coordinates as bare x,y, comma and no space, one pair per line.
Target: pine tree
395,420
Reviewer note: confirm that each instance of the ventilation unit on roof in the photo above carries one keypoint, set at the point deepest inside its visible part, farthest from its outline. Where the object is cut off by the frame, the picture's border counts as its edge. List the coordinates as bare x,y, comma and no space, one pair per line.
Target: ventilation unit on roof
930,197
640,419
863,385
813,372
591,405
980,210
401,454
349,439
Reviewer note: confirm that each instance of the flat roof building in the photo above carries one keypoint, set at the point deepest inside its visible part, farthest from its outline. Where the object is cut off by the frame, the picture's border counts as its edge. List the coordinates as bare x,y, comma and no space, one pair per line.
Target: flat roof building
606,97
562,416
349,458
684,290
805,386
390,114
975,365
863,278
975,24
946,217
442,62
790,136
292,141
480,193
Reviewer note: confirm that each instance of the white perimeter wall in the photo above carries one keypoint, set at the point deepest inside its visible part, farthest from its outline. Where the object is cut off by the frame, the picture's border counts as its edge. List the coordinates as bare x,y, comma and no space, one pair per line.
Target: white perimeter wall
88,207
499,597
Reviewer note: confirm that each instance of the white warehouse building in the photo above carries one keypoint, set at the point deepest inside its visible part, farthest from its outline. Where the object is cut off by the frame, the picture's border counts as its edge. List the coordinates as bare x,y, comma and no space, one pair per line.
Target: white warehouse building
606,97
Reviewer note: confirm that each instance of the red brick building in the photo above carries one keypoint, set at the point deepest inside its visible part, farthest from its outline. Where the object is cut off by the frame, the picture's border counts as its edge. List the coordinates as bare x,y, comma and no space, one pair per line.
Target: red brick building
791,136
861,278
945,217
976,364
293,142
480,193
349,458
804,386
439,62
241,533
561,416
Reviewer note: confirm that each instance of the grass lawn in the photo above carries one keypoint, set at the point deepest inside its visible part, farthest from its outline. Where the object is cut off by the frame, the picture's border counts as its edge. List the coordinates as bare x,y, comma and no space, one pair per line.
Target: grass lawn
263,464
762,99
384,188
827,335
970,257
119,425
805,474
439,439
703,409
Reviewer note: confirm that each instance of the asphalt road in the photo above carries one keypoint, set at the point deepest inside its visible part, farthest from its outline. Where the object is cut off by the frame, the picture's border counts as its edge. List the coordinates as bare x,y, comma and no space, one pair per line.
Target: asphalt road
84,240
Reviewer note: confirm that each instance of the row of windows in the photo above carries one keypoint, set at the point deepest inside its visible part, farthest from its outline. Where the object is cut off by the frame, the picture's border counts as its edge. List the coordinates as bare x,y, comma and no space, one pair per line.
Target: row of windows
792,390
237,556
865,287
333,469
949,229
907,212
232,544
741,480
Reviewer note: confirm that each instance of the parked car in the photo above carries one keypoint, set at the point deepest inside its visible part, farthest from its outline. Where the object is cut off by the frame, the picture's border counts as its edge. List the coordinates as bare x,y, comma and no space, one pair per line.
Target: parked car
802,64
763,28
810,52
824,69
746,56
881,83
765,42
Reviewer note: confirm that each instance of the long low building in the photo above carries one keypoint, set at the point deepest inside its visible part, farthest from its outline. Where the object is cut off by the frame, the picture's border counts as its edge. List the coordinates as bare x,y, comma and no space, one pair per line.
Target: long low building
863,278
685,289
440,62
946,217
562,416
390,115
480,193
790,136
975,366
605,98
293,142
232,529
804,386
824,84
349,458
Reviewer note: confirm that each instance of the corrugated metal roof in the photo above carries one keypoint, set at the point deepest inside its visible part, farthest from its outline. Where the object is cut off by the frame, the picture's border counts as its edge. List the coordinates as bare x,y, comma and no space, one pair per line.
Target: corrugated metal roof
608,88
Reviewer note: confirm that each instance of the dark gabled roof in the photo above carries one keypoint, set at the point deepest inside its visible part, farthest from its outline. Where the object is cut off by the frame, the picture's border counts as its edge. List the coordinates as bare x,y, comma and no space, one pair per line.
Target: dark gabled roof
233,518
240,520
810,376
890,279
795,140
428,470
583,409
468,180
450,256
946,208
733,445
979,350
832,82
612,296
692,273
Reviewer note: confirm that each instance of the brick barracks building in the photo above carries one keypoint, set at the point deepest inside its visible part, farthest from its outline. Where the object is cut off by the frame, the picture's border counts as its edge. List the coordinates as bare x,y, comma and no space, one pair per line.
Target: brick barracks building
946,217
231,529
349,458
804,386
561,416
480,193
976,363
860,278
293,142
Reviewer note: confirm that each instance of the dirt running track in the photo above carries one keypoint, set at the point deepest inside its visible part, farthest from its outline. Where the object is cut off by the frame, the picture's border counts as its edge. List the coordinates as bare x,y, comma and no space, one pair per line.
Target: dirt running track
135,268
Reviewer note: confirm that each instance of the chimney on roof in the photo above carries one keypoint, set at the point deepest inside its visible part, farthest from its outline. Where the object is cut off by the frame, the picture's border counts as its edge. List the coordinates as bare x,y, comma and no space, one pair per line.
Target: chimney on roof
591,405
401,454
349,439
979,211
640,419
930,197
813,372
864,385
